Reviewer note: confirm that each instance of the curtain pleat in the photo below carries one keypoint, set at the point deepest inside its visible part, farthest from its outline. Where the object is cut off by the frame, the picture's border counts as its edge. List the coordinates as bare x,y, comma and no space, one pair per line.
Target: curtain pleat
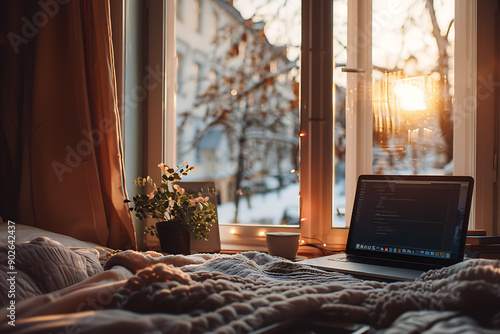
75,169
101,87
16,86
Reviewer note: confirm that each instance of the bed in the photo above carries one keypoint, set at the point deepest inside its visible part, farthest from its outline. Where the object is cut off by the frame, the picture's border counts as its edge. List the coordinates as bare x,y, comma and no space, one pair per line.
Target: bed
63,285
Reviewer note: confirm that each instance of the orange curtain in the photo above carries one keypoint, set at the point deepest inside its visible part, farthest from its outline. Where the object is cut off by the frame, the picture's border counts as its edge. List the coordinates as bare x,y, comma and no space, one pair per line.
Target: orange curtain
72,170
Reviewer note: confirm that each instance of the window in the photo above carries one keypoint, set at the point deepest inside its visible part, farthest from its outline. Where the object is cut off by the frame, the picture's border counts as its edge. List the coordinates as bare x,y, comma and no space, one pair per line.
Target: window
180,73
196,77
407,100
412,87
215,23
198,15
180,10
247,103
212,76
317,125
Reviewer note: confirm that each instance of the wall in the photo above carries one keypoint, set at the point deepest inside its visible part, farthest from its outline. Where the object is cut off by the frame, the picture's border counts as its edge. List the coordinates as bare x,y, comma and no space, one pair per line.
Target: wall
487,117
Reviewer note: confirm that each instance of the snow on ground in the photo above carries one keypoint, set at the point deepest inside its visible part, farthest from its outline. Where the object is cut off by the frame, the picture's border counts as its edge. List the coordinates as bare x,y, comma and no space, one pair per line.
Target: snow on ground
264,209
269,208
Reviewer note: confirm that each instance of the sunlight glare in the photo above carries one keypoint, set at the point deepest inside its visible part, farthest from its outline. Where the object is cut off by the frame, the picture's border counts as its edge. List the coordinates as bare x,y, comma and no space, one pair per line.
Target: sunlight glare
410,97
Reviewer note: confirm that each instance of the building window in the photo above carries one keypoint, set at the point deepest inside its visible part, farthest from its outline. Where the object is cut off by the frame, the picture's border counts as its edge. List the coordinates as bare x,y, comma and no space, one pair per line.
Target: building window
198,15
215,23
180,10
180,73
196,77
212,77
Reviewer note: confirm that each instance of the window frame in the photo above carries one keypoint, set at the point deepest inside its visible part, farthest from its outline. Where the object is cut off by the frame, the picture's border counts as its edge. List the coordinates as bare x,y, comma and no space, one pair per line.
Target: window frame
359,104
316,146
464,137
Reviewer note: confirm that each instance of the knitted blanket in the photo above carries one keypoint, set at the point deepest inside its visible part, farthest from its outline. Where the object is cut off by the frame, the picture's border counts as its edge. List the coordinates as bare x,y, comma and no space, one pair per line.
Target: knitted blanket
248,291
255,292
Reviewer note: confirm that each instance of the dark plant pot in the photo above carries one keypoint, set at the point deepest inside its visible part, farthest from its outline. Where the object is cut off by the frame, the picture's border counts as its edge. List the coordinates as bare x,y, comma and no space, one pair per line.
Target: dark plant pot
174,238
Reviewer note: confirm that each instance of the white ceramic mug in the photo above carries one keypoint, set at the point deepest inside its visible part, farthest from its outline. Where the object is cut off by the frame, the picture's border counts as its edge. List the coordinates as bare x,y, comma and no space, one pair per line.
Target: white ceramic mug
284,244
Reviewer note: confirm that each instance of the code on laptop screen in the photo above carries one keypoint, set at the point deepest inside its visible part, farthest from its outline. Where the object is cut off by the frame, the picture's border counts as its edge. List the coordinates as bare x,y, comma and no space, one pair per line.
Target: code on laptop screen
411,218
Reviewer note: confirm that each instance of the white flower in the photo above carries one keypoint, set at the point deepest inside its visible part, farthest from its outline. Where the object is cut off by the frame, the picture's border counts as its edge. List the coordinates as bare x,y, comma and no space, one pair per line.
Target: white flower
179,189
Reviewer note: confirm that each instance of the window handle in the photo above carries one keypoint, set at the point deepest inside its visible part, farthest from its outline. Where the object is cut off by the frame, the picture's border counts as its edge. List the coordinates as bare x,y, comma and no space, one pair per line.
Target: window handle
353,70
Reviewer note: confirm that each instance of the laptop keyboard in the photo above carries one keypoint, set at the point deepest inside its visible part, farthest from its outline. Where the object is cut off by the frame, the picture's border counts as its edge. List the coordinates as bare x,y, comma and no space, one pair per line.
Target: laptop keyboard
381,262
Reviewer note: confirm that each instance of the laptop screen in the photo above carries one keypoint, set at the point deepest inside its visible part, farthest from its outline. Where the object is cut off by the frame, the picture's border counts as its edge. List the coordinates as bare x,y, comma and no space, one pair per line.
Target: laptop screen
420,219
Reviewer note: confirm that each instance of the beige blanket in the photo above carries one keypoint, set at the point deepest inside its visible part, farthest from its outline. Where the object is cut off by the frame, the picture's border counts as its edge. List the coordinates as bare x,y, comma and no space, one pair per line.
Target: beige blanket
247,292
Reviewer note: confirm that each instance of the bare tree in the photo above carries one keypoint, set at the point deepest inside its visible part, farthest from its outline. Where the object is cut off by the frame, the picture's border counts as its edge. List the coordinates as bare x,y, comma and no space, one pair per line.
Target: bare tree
444,102
255,100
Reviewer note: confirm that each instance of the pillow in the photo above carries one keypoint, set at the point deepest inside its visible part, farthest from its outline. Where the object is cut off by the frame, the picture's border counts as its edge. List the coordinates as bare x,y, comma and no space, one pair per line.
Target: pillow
24,233
42,266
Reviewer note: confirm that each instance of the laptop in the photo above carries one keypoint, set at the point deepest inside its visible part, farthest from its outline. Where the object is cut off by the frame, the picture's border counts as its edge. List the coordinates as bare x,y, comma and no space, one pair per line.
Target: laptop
403,226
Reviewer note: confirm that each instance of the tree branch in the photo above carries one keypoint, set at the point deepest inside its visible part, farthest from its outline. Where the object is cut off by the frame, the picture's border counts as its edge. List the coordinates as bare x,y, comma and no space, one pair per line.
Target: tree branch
440,39
449,28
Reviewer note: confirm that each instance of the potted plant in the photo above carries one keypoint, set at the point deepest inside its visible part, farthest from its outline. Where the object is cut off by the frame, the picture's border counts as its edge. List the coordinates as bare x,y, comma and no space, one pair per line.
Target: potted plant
181,215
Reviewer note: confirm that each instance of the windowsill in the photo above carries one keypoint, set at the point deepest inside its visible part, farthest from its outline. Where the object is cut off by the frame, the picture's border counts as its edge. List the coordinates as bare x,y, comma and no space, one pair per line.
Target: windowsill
304,252
253,237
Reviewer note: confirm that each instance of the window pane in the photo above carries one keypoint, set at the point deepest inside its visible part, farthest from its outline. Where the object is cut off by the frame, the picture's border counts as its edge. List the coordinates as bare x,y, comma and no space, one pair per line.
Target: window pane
410,91
241,127
412,52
